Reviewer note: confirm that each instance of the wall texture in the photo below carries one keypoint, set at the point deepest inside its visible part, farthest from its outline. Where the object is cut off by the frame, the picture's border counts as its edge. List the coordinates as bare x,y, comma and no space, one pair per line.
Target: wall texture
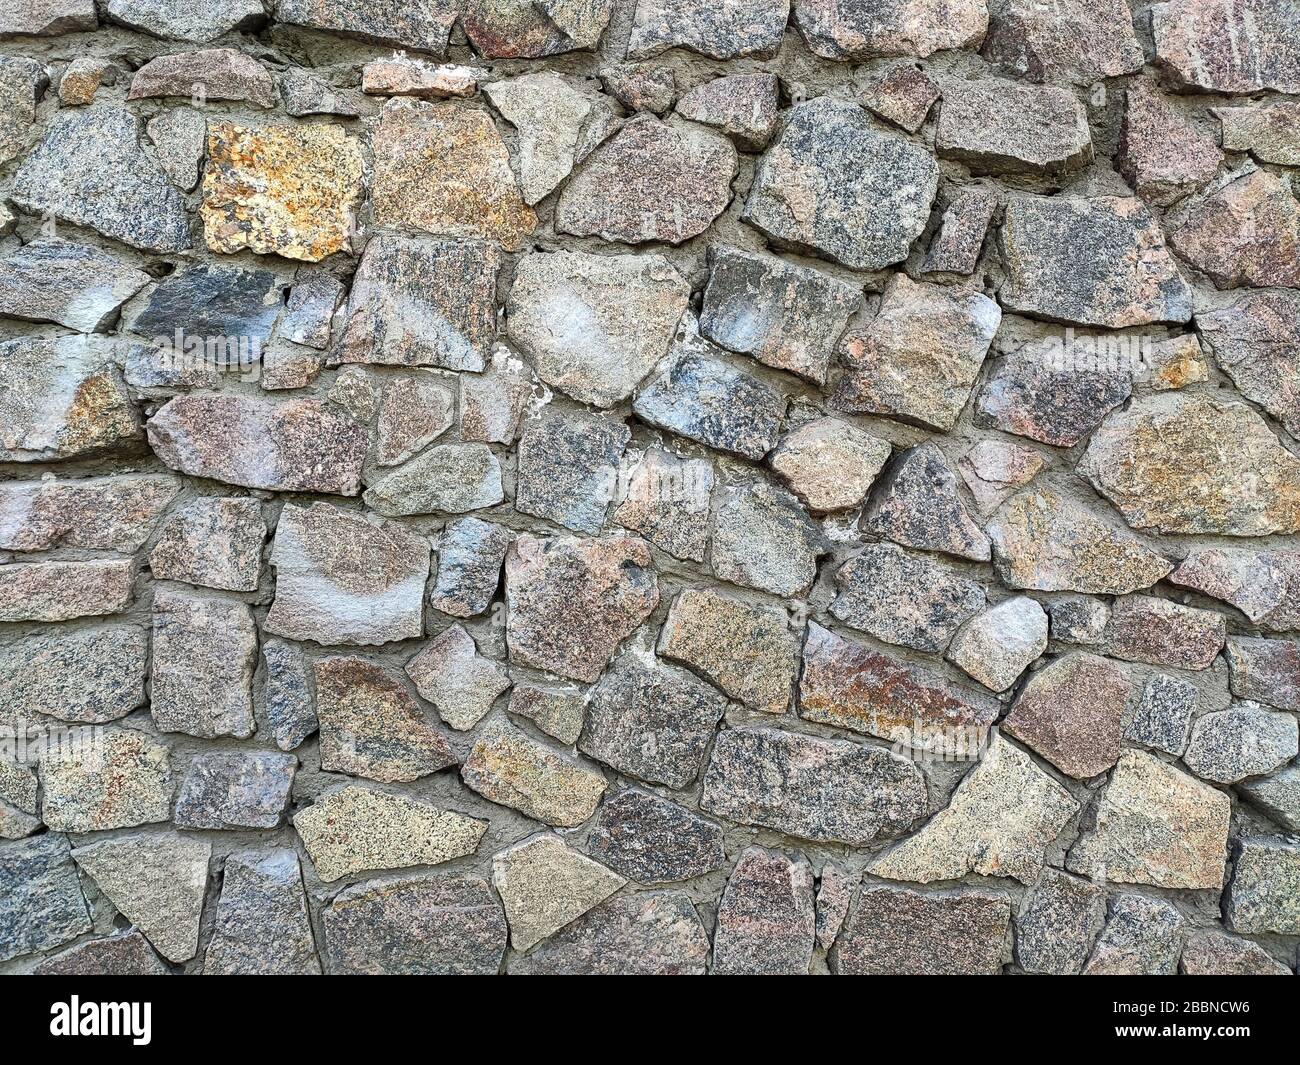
663,486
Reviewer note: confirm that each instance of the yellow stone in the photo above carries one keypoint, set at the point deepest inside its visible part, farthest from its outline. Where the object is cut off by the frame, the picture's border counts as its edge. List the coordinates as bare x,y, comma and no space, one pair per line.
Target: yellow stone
280,190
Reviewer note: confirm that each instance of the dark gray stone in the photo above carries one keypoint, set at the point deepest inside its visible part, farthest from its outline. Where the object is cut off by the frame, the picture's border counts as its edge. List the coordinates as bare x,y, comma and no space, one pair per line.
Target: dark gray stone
916,503
470,553
766,919
1163,718
568,469
243,790
41,905
653,840
1058,920
1142,937
288,698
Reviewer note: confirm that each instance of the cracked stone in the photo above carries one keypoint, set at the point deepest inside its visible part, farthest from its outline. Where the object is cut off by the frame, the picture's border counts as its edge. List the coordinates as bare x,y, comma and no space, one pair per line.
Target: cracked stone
1256,342
245,790
75,285
355,829
1181,463
916,504
1071,712
545,884
341,578
423,26
1214,954
785,316
667,501
371,725
834,895
417,302
309,313
1239,48
899,932
305,94
1163,718
904,598
956,248
995,126
651,720
1001,819
918,358
179,20
1155,825
443,168
1058,920
1277,795
766,920
998,645
103,513
558,712
1081,41
652,840
519,28
1046,542
1243,741
1099,262
509,767
1265,892
1142,937
852,686
412,412
89,675
650,181
568,469
117,955
994,469
861,29
204,655
726,31
1162,633
570,602
902,95
43,906
834,185
1267,670
128,782
829,464
812,788
262,925
743,106
18,808
450,673
179,137
415,926
65,176
746,649
298,445
214,542
470,554
210,74
448,478
1161,154
61,591
288,697
1270,131
157,882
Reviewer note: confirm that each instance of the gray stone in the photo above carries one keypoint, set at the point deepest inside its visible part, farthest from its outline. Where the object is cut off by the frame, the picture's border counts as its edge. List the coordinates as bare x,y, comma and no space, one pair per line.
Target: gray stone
450,673
63,398
763,538
157,881
743,106
1142,937
833,185
180,139
1100,262
415,926
99,513
212,541
641,87
998,645
1071,712
1163,633
298,445
1046,542
652,840
862,29
904,598
568,469
1214,954
1058,920
309,313
492,403
306,94
1256,342
117,955
649,934
288,698
1277,795
371,726
124,780
829,464
341,578
1154,824
48,18
447,478
835,889
355,829
956,248
916,503
1079,41
918,358
994,469
1161,154
545,884
518,28
899,932
90,170
571,602
417,302
697,395
999,822
748,28
812,788
208,73
1268,131
90,675
746,649
766,921
75,285
650,181
41,905
995,126
470,554
902,95
182,21
1078,619
558,712
1237,49
60,591
651,721
1265,892
1267,670
211,301
785,316
509,767
423,26
595,325
1163,718
204,654
245,790
18,807
1243,741
262,925
22,82
667,500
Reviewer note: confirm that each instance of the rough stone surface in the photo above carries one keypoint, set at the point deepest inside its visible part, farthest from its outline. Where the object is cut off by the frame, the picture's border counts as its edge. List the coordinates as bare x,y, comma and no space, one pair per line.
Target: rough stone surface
1234,49
766,919
412,412
1267,670
747,28
447,478
128,954
859,30
902,95
763,538
916,504
834,896
180,21
653,840
568,469
996,126
60,591
1142,937
829,464
125,782
422,26
1162,719
743,106
667,500
1079,41
1162,633
209,74
1268,131
1256,342
262,925
1162,155
109,514
470,553
450,673
75,285
999,644
957,246
288,697
1263,896
1243,741
1214,954
1277,795
90,675
214,542
1058,920
994,469
558,712
42,903
245,790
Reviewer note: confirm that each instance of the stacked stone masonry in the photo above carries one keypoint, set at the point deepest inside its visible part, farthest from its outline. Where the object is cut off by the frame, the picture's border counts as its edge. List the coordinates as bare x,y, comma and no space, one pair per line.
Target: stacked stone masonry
649,486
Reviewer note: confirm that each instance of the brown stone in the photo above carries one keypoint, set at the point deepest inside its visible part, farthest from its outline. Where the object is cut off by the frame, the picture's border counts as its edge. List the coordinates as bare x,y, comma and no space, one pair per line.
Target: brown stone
101,513
766,918
1256,342
60,591
1080,41
1161,154
1162,633
1232,48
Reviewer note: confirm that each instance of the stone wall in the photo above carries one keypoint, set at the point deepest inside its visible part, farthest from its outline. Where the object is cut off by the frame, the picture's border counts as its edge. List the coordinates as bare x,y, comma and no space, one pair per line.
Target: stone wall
649,486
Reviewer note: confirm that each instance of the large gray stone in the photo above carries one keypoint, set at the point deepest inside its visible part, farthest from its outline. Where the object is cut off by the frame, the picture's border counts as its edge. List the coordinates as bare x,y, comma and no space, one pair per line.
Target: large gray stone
41,905
249,789
75,285
262,926
568,469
